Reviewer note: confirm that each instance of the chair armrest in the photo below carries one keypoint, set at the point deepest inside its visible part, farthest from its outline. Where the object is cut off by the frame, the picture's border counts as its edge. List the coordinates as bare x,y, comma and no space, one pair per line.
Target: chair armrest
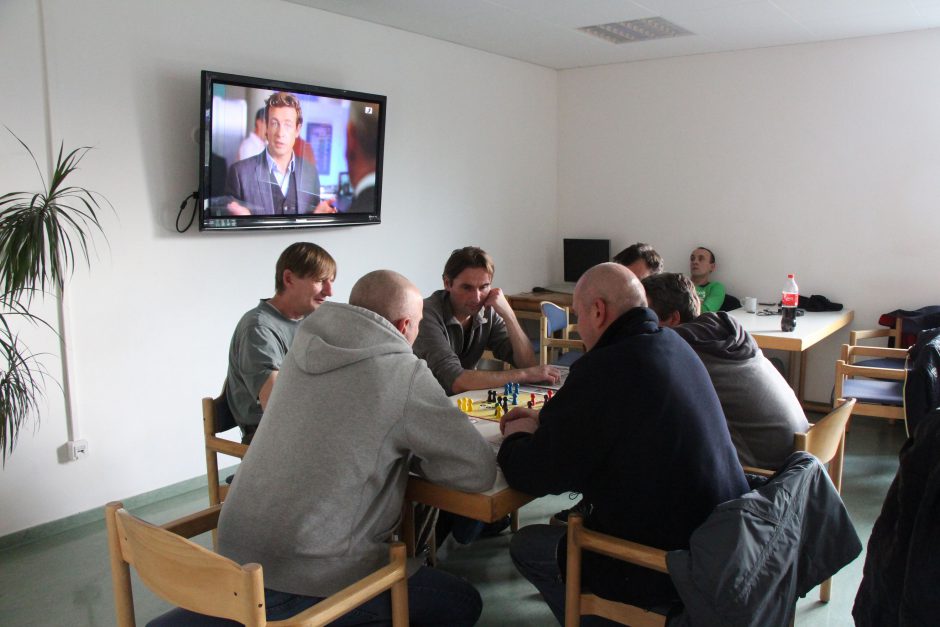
353,595
618,548
195,524
848,370
558,343
228,447
763,472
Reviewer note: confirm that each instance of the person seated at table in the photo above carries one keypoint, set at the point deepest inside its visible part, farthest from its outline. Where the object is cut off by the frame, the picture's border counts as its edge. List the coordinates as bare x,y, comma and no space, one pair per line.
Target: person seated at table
303,279
641,259
710,293
761,409
461,321
469,316
637,429
320,491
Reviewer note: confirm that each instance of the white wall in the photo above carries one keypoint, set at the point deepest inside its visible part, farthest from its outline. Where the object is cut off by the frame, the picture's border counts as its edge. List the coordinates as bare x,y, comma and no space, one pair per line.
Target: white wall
821,160
470,159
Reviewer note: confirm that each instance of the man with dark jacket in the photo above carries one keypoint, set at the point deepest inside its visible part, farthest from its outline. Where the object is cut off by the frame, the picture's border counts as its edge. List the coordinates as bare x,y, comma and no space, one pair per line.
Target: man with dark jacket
637,429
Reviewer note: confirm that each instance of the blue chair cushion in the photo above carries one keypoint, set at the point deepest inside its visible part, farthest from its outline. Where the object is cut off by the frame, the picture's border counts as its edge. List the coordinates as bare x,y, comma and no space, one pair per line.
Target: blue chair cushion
881,362
871,391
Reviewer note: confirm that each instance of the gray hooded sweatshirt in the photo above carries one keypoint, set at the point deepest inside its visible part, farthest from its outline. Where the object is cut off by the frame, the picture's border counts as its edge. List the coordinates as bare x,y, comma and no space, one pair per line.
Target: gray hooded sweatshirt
320,492
762,411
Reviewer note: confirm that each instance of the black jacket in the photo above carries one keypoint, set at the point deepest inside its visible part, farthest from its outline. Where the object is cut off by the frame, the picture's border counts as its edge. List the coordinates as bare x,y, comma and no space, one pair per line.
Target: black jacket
756,554
922,387
902,564
638,430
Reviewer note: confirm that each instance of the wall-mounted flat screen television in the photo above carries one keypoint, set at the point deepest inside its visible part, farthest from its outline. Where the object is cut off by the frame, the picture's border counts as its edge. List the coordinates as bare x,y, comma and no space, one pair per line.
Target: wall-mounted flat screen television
276,155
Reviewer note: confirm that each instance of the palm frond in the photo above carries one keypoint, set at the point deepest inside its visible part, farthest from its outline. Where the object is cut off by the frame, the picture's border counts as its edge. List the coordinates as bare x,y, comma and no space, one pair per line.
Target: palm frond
43,235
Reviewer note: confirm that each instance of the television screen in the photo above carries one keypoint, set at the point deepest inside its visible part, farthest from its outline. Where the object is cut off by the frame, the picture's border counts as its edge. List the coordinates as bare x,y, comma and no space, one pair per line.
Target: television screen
279,155
581,254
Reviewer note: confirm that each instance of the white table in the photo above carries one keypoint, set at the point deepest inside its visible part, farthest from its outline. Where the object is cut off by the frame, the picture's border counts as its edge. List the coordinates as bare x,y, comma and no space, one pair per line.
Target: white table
811,328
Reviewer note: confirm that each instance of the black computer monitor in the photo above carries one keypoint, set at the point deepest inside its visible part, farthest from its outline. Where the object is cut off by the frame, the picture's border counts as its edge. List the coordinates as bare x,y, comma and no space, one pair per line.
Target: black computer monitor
581,254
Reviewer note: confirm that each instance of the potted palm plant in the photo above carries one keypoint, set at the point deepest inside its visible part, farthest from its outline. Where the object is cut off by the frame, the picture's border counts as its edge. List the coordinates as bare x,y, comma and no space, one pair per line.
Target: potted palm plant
42,236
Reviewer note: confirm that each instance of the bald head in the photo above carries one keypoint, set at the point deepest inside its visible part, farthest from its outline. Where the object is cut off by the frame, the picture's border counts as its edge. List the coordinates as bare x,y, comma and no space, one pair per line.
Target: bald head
391,296
603,294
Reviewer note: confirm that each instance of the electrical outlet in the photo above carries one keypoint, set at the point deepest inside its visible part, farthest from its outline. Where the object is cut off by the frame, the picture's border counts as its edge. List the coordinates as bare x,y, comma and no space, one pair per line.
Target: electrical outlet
77,449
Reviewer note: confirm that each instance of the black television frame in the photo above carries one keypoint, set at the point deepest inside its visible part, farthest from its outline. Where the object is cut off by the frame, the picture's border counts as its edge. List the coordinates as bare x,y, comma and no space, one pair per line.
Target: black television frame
214,222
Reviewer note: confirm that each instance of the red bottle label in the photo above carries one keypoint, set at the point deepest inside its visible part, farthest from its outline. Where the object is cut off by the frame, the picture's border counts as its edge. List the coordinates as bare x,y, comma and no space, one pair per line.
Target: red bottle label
790,299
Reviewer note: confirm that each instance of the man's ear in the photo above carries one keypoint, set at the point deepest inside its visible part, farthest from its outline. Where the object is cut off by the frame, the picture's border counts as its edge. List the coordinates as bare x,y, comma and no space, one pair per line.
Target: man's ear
401,324
672,320
447,282
287,278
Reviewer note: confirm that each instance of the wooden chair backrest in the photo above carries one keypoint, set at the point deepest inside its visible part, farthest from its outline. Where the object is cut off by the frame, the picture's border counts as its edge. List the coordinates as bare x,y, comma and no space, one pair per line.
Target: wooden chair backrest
578,602
182,572
851,351
826,437
893,334
199,580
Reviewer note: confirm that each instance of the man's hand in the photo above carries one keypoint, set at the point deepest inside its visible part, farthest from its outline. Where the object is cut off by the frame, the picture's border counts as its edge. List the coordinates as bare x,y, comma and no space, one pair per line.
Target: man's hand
325,206
519,419
497,301
540,374
236,209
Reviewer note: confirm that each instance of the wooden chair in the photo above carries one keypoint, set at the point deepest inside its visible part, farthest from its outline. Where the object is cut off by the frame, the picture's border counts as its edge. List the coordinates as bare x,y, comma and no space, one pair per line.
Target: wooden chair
825,440
199,580
879,391
894,341
217,418
579,602
555,322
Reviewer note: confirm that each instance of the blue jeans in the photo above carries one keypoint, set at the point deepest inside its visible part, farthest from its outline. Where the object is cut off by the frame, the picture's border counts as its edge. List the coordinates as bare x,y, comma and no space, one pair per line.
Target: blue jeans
534,551
434,598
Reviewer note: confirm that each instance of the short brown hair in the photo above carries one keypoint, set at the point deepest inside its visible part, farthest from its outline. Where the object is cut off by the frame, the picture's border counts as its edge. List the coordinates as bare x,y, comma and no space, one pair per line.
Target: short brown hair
647,253
672,291
467,257
284,99
304,259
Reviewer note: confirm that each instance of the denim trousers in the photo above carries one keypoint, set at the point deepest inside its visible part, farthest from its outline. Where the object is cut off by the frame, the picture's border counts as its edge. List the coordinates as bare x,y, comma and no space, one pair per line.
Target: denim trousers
434,598
534,551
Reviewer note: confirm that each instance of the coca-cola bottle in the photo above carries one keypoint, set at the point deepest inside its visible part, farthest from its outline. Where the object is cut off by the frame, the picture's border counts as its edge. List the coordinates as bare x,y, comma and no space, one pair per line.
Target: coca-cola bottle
788,302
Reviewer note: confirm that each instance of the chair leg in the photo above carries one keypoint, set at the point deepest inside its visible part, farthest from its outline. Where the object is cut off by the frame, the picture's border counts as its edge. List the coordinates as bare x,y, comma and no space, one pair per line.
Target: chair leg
825,590
514,521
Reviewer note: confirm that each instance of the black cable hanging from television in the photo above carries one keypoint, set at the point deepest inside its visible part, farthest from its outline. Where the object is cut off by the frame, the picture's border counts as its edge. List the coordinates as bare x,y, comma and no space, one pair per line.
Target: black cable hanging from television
195,196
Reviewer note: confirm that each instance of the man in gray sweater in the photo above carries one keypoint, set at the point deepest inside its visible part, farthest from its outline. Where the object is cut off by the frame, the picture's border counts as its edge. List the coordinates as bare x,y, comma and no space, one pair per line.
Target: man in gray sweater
320,492
761,410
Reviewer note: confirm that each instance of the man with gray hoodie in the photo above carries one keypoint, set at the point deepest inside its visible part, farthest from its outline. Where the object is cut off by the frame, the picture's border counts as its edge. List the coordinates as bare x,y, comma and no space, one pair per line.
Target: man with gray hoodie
320,491
761,410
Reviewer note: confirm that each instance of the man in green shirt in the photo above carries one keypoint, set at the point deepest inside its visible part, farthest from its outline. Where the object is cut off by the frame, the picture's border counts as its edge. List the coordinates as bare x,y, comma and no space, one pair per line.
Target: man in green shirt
701,265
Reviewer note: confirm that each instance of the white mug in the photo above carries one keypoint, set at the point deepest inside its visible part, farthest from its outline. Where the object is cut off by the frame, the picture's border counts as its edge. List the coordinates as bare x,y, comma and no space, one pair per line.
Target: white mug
750,304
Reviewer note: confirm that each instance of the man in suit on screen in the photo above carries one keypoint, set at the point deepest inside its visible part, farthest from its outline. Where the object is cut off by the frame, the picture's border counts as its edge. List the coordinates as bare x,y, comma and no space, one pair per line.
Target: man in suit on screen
274,182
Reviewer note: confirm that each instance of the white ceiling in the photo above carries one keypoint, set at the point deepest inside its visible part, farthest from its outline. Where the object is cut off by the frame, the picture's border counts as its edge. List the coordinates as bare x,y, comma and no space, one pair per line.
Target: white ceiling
545,32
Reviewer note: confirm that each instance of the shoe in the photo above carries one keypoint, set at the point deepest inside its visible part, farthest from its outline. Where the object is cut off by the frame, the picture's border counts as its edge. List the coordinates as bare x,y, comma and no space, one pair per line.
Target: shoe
493,529
561,518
